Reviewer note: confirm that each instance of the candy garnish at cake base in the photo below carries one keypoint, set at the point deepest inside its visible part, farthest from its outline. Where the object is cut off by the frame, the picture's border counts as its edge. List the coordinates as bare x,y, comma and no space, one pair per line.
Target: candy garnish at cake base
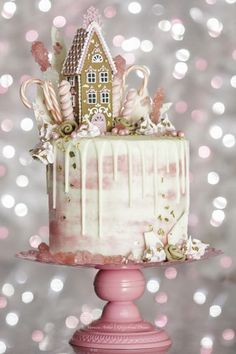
115,162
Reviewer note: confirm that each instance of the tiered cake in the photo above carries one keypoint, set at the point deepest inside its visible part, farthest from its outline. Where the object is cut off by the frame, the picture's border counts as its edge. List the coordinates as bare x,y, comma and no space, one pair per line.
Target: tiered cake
117,170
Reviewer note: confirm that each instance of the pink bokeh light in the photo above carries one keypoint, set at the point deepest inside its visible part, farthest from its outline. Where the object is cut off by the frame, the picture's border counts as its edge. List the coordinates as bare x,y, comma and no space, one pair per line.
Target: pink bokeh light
161,298
204,152
161,321
31,35
110,11
4,232
201,64
3,302
59,21
37,336
228,334
199,116
3,170
226,262
118,40
181,107
171,273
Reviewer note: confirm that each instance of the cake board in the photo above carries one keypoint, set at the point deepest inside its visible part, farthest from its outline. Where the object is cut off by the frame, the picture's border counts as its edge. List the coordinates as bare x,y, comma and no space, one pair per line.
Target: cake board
121,326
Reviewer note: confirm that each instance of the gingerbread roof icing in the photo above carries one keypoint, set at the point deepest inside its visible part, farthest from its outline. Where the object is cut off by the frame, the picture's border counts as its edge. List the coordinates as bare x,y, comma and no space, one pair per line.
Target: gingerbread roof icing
74,61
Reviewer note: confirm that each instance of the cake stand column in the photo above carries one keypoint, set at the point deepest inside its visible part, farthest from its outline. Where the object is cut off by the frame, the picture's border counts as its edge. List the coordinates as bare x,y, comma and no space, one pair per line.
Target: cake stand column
121,325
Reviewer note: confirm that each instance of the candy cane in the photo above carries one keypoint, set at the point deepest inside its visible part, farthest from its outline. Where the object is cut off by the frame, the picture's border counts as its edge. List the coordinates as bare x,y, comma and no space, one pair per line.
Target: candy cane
49,95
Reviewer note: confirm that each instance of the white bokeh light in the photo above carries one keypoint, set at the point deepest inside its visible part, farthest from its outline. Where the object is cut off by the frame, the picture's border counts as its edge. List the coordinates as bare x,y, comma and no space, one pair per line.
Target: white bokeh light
8,151
22,181
215,311
12,319
233,81
134,7
71,322
180,70
27,297
218,108
8,289
220,202
3,347
8,201
153,285
216,132
196,14
177,31
207,342
146,46
215,27
8,10
56,285
21,209
213,177
164,25
218,215
130,44
199,297
44,5
6,80
228,140
182,54
26,124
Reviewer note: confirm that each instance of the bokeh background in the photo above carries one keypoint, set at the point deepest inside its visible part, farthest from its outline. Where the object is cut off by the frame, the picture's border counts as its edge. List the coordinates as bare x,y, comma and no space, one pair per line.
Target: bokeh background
190,50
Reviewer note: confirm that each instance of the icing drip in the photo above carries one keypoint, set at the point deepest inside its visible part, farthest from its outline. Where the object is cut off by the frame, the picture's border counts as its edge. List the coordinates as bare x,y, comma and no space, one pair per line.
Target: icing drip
83,159
177,174
141,148
183,176
100,150
155,178
54,186
130,173
67,168
115,147
187,174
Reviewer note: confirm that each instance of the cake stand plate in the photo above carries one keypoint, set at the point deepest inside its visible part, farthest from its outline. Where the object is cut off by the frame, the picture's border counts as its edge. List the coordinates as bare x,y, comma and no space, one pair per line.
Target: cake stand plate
121,325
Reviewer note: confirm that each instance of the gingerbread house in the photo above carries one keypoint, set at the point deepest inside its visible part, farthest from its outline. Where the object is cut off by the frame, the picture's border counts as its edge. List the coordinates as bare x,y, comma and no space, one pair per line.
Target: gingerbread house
89,68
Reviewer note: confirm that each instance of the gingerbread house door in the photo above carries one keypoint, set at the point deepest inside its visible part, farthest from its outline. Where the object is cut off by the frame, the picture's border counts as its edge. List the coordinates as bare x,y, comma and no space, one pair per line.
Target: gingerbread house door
99,120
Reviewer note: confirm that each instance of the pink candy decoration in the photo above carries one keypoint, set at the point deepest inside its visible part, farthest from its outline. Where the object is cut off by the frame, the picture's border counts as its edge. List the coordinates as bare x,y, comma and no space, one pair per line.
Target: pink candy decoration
40,54
92,15
114,131
180,134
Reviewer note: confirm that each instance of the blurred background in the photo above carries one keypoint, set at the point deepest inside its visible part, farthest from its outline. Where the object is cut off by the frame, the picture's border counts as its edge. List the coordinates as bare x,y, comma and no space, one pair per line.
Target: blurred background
190,50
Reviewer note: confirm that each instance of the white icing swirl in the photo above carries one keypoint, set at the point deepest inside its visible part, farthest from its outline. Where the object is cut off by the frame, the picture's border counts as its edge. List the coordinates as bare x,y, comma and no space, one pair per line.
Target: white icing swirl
65,100
43,152
88,129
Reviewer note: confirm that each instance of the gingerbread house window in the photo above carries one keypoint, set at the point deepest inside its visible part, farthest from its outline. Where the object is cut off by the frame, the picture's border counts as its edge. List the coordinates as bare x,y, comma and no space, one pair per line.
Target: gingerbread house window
97,58
71,80
103,76
91,77
105,96
92,97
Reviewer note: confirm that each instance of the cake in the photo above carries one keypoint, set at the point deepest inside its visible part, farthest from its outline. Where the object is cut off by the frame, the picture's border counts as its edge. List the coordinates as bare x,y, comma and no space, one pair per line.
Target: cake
117,169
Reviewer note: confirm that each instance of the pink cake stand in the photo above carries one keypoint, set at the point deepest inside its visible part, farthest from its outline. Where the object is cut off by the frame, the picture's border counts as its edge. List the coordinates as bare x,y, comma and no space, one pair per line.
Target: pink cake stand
121,326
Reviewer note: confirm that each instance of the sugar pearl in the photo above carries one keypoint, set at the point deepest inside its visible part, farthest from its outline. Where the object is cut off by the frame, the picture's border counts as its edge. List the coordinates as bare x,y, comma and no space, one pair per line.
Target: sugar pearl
73,135
55,135
180,134
114,131
122,132
126,130
174,133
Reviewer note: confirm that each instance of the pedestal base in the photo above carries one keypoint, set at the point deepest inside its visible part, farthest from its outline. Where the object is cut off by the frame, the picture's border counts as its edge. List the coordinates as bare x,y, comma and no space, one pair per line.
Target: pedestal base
121,326
140,335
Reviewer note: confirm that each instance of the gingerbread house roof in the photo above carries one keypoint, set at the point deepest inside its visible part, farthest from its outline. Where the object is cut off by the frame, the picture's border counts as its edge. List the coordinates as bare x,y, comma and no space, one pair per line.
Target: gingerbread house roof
74,61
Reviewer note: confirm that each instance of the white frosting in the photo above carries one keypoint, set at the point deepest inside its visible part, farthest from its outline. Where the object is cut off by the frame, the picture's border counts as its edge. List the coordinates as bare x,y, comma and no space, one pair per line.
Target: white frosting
44,152
109,189
195,248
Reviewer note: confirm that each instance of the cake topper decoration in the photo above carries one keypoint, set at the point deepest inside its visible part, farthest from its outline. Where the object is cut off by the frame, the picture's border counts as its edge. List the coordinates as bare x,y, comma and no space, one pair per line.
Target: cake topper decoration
84,90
